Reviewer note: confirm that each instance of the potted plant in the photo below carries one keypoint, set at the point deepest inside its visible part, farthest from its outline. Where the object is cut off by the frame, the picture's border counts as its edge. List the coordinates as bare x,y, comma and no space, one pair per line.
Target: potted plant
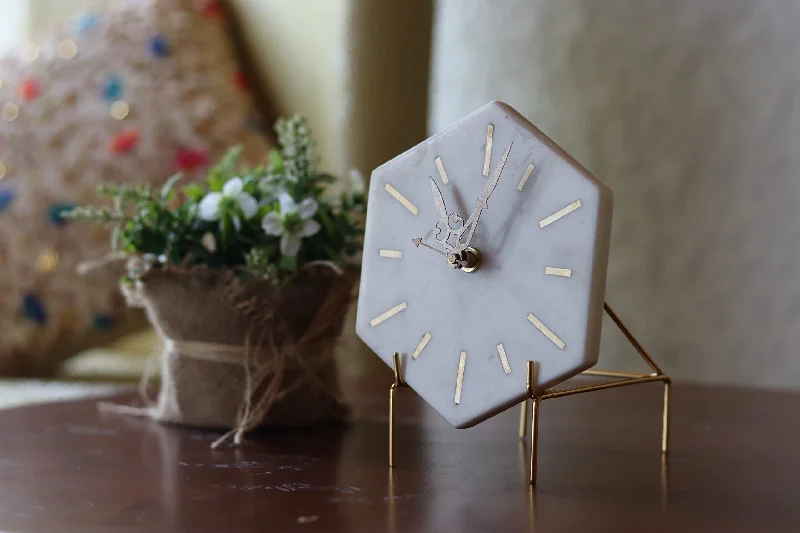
247,279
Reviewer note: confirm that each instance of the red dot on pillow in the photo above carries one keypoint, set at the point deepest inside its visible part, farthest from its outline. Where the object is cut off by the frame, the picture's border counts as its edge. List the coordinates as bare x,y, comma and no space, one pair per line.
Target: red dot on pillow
240,80
29,89
124,142
212,9
189,160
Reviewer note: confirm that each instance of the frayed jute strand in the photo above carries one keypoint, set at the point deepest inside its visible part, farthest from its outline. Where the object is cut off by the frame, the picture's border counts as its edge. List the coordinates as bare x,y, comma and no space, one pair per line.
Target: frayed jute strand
87,267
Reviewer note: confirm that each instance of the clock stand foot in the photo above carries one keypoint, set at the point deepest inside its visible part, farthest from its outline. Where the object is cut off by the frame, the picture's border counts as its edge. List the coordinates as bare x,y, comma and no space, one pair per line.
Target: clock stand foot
621,378
398,382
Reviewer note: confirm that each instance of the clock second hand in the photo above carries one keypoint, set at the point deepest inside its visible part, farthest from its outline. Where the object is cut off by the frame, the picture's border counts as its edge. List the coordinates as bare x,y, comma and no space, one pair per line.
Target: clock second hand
449,256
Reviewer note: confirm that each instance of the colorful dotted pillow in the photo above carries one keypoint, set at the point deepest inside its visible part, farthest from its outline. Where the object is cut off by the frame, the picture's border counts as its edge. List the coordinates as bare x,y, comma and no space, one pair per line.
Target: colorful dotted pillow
129,95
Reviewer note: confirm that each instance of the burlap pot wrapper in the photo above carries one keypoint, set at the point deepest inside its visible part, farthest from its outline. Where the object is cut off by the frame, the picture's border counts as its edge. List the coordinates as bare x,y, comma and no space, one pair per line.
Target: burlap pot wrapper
242,354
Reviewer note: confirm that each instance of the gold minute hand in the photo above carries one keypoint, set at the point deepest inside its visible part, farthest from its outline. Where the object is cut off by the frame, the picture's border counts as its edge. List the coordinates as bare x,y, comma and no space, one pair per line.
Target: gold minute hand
495,177
472,221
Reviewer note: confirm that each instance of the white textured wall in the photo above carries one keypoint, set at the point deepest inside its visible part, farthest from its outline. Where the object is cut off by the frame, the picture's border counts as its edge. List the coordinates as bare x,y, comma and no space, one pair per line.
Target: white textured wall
689,111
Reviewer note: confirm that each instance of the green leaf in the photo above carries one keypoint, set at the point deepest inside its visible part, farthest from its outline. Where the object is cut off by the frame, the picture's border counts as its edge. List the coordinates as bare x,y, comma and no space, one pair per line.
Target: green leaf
327,223
263,211
226,232
230,161
166,189
275,160
288,263
194,192
216,181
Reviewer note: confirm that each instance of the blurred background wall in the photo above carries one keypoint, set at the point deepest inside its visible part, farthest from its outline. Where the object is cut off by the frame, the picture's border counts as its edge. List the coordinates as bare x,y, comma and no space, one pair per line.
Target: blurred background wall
688,110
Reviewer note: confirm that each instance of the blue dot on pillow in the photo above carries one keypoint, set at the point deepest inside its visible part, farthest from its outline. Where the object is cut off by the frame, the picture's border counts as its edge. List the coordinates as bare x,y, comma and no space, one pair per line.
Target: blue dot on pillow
6,197
113,88
102,321
56,213
159,46
33,308
86,22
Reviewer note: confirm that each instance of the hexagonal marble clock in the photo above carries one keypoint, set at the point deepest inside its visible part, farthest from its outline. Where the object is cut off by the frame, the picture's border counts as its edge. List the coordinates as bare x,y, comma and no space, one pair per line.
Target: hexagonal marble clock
486,247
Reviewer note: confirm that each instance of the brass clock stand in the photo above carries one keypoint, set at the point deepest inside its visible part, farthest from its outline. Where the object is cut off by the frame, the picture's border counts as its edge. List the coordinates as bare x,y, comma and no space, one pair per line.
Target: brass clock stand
620,379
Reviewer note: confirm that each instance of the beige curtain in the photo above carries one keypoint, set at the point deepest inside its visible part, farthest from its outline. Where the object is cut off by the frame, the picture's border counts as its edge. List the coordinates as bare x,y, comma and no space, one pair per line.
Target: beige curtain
351,66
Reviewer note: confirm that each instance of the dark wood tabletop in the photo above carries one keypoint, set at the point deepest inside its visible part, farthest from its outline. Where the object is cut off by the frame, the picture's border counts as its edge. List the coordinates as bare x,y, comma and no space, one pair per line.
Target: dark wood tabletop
734,466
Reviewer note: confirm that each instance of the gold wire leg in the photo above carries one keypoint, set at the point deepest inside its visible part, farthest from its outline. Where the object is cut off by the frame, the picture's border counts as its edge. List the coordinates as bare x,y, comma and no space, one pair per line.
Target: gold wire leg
392,392
398,382
523,419
665,422
534,439
530,383
628,335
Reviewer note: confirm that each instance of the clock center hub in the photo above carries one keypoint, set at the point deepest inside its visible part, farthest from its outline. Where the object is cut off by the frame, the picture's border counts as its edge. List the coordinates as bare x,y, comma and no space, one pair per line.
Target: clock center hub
468,260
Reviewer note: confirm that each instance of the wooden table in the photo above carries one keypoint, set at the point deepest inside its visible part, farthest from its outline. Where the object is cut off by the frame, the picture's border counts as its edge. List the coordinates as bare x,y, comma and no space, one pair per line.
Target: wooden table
735,466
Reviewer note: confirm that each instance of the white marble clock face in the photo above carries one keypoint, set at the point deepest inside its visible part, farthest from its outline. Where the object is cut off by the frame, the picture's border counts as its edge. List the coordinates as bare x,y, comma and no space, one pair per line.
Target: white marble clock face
465,337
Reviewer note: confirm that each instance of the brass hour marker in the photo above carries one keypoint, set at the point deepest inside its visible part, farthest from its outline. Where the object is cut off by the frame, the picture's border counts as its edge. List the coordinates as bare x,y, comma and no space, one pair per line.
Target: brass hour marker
402,199
387,315
553,271
560,213
394,254
421,345
546,331
442,171
524,180
487,157
501,351
462,362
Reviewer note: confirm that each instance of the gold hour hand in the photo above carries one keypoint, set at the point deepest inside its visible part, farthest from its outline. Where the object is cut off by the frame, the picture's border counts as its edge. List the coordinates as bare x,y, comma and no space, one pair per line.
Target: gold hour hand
438,200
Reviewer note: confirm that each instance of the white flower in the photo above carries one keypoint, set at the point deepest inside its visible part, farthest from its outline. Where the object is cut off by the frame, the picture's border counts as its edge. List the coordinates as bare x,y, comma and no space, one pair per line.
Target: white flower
232,201
292,224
